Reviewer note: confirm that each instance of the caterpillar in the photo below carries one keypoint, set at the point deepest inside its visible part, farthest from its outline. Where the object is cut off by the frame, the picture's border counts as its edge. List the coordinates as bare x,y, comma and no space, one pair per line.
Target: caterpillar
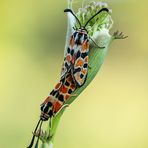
73,75
76,58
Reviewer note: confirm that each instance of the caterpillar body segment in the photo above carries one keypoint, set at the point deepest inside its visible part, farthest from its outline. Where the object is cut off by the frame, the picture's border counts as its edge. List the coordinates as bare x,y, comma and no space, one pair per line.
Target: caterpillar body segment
58,96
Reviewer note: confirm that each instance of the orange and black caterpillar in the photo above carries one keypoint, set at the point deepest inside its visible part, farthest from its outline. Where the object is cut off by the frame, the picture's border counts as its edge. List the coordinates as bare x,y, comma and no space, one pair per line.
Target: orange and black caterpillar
76,58
74,73
54,102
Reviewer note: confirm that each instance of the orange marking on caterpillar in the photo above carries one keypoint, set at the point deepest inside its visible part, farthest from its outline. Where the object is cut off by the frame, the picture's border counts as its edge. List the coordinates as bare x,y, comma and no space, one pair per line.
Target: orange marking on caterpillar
56,107
50,98
70,79
73,60
85,46
68,58
79,62
86,59
72,42
58,86
84,71
73,86
64,89
67,97
46,100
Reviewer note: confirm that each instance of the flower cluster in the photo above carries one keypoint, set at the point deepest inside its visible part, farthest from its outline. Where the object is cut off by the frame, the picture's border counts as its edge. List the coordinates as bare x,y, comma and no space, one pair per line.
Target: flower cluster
101,21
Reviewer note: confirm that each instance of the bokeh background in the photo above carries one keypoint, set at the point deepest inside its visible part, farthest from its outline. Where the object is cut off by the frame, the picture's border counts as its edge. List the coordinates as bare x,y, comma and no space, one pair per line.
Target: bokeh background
111,113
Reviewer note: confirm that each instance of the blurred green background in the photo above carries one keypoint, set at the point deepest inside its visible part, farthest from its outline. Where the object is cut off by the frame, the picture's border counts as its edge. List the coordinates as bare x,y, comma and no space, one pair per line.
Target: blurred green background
111,113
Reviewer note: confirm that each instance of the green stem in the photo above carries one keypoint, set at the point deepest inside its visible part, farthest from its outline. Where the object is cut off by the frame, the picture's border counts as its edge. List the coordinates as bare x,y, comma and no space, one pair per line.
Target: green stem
47,145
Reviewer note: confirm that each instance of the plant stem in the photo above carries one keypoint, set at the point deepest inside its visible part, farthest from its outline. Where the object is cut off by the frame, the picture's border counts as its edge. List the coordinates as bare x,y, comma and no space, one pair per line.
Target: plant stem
47,145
